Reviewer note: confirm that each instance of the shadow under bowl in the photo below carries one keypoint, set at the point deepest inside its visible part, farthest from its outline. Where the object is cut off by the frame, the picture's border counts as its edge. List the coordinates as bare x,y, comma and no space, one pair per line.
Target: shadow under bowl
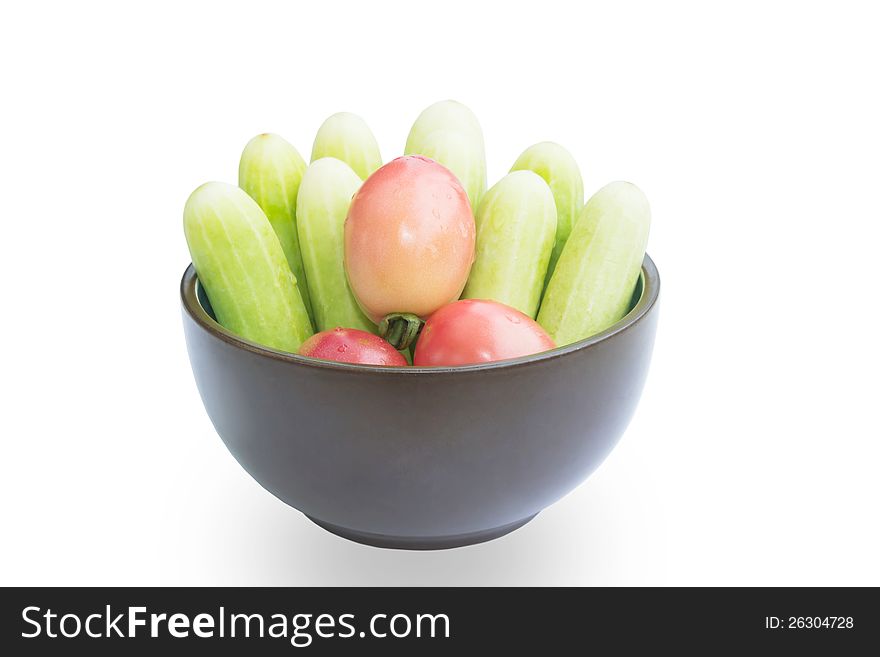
416,457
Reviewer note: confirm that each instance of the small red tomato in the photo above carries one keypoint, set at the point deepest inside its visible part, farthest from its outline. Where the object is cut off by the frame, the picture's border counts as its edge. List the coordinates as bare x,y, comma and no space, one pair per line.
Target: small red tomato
409,240
351,346
476,331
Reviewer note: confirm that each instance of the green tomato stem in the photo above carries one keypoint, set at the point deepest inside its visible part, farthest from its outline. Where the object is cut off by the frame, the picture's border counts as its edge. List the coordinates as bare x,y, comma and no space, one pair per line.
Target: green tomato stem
400,329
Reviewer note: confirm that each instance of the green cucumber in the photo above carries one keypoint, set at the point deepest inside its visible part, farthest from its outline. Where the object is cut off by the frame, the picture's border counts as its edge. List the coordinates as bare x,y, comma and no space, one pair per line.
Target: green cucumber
243,269
559,170
516,223
597,272
449,133
347,137
270,171
324,197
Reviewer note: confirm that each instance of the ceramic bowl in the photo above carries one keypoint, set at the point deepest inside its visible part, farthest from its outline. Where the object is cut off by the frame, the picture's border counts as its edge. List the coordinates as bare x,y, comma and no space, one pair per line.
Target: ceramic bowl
421,458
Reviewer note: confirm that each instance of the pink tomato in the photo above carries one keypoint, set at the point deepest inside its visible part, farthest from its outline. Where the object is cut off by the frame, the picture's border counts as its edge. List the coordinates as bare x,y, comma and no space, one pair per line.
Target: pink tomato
409,243
351,346
476,331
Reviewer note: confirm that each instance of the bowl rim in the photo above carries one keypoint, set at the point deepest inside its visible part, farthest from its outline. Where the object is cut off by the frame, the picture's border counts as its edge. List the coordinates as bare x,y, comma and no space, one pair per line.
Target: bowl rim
193,307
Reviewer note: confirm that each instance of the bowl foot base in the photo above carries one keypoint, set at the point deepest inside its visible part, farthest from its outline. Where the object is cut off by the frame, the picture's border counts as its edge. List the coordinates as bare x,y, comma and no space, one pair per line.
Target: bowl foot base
420,542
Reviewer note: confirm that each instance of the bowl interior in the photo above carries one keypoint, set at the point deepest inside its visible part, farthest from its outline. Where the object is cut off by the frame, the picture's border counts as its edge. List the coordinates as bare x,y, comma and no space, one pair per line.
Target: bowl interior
198,306
205,302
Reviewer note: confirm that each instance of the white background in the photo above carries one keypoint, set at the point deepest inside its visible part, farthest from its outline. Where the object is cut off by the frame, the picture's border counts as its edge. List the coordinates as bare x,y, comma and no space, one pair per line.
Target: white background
753,129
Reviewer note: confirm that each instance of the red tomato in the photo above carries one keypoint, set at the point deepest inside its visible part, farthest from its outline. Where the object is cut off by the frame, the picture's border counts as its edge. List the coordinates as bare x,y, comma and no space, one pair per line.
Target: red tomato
476,331
409,239
351,346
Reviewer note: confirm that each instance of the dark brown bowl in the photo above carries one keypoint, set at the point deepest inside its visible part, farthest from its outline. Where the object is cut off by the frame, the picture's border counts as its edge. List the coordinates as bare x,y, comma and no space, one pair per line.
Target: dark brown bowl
418,457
